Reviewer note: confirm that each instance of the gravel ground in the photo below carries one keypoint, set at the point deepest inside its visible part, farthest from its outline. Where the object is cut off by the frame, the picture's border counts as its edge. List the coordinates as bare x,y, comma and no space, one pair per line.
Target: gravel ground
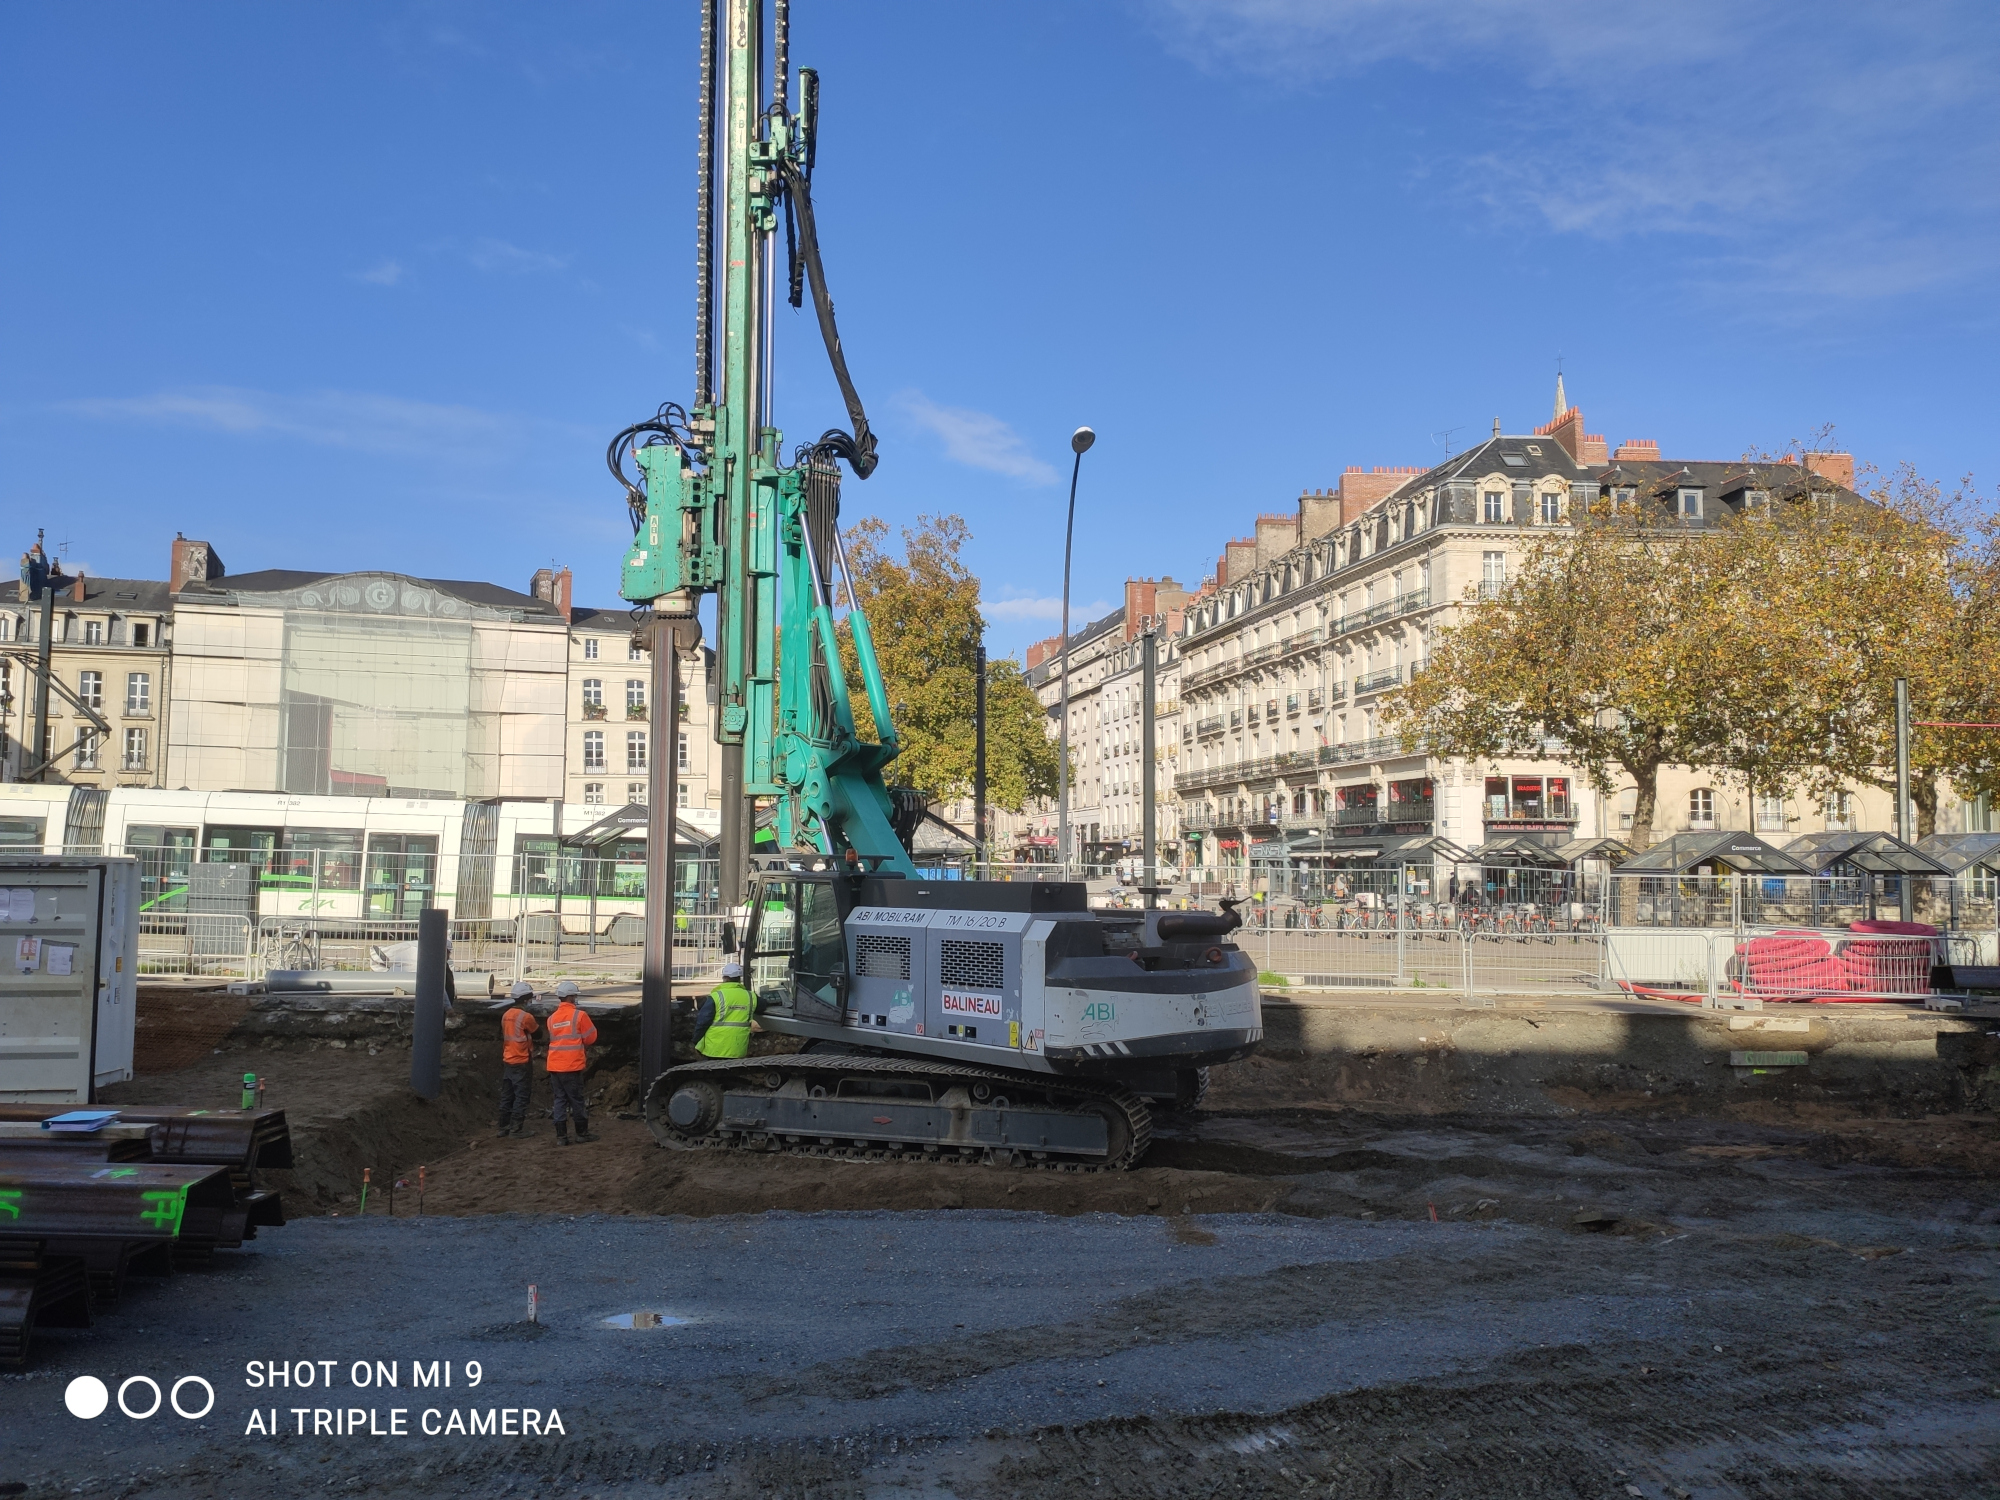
1805,1348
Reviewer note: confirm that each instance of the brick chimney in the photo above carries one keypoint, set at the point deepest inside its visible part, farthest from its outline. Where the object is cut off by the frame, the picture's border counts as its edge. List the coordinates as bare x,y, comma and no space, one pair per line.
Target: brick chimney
76,592
1276,535
1361,488
1042,650
1639,450
1148,598
1239,560
553,586
192,562
1839,467
1319,513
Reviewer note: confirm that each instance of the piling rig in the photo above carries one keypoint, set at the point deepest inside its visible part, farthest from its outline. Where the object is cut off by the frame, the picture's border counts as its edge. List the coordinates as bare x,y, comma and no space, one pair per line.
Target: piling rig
989,1021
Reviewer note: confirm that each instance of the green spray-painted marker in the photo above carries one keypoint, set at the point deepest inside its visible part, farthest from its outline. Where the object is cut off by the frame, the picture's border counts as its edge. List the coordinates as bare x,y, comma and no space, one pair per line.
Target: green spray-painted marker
249,1091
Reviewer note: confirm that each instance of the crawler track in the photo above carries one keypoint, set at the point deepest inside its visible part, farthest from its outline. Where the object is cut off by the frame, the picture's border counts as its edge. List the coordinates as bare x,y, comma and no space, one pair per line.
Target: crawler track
833,1106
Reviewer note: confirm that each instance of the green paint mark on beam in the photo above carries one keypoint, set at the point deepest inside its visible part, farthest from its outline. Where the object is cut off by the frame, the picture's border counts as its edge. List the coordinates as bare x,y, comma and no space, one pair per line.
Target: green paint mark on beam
166,1207
10,1202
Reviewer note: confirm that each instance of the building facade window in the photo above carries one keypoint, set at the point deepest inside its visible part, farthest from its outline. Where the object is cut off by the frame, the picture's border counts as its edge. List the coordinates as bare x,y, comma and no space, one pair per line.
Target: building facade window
1770,814
593,692
138,692
633,653
635,750
93,632
683,793
681,753
1839,810
635,791
90,689
1691,504
142,633
593,793
1701,808
635,693
1552,508
1492,573
589,649
1495,506
86,749
593,749
135,749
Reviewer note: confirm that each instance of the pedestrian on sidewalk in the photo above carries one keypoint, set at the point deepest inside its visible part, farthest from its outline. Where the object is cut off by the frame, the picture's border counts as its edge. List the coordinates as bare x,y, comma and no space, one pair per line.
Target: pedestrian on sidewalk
517,1051
570,1032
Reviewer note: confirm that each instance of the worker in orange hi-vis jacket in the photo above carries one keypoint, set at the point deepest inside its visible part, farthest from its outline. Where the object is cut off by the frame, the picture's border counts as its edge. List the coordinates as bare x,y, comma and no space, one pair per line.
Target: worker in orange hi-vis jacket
570,1031
517,1049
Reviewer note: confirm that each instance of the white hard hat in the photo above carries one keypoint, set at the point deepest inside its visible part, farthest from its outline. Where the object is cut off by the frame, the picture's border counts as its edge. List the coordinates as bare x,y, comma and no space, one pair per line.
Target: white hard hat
567,990
732,971
522,990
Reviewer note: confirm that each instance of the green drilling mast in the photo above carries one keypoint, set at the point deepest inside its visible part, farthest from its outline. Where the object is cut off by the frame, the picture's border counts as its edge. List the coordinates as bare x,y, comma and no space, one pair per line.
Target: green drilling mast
940,1019
715,508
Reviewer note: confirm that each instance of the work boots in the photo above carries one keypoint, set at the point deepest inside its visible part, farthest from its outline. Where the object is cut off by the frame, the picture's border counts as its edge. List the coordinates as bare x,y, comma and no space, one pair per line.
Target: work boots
562,1132
583,1131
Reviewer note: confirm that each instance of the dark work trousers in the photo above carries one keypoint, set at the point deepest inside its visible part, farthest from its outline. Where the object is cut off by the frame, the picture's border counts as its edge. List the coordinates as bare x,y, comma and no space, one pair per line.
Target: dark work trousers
516,1083
569,1099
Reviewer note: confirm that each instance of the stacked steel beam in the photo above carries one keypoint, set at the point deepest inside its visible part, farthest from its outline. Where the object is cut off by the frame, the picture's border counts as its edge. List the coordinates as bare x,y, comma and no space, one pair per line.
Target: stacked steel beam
154,1189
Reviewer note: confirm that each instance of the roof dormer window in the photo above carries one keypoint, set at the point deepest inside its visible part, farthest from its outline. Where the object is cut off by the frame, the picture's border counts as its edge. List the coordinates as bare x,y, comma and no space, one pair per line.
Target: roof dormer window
1536,449
1690,504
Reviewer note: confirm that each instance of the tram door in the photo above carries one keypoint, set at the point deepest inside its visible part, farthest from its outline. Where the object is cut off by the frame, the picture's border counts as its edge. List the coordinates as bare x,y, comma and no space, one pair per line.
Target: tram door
402,874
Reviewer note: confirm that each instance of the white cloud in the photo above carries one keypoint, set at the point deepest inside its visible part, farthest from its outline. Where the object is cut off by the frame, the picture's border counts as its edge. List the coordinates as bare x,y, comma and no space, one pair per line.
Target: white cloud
976,439
387,273
335,419
1043,609
498,255
1802,143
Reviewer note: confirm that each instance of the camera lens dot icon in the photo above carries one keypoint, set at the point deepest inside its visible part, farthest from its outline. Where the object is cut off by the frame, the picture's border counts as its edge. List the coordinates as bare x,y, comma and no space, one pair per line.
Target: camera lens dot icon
86,1397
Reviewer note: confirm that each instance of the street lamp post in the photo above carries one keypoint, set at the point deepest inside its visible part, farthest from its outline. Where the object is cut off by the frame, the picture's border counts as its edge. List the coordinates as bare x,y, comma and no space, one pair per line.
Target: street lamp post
1079,444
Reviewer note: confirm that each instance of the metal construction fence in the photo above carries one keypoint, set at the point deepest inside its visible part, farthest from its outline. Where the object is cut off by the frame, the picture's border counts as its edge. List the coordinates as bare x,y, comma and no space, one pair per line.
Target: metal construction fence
1724,969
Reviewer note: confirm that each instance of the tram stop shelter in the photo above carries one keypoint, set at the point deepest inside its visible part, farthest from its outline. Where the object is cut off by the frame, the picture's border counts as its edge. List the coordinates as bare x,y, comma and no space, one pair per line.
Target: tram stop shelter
1972,864
1702,880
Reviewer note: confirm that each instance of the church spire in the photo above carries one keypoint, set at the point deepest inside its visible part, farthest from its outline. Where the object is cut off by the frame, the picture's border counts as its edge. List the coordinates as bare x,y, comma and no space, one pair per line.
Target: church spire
1562,402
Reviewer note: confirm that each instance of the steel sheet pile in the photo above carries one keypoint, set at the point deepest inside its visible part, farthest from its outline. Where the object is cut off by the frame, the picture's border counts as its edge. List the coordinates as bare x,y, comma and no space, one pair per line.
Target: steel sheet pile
137,1192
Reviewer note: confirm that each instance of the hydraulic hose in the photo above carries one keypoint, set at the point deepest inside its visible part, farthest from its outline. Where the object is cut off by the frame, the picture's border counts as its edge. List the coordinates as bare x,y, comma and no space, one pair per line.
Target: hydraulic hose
863,455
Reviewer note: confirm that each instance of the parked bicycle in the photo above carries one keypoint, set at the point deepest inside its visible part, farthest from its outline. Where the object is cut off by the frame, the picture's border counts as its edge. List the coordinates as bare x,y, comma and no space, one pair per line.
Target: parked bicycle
296,948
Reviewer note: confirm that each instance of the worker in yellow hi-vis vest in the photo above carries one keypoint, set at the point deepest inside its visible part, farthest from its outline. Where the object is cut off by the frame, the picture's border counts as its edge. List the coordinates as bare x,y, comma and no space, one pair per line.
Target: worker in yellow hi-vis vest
722,1024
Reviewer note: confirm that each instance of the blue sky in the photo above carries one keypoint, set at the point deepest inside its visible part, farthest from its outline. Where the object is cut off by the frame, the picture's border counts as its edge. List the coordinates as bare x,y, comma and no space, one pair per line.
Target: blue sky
369,285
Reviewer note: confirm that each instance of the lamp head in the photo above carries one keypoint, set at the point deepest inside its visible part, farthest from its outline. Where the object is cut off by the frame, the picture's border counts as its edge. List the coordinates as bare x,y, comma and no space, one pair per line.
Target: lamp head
1081,439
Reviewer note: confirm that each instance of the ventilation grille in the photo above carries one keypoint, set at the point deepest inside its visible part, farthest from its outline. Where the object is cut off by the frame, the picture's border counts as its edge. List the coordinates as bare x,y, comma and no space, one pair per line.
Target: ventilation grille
972,966
882,955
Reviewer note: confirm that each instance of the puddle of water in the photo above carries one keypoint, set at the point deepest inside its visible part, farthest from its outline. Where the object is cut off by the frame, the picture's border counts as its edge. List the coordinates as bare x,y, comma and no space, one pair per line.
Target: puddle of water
643,1320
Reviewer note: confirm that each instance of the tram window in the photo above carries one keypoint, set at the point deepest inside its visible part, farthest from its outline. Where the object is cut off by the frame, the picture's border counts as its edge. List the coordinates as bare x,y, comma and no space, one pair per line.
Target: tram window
21,833
337,850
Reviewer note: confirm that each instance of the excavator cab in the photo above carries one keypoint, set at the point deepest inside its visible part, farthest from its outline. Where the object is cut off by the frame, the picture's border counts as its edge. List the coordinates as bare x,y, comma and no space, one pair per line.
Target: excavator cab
795,948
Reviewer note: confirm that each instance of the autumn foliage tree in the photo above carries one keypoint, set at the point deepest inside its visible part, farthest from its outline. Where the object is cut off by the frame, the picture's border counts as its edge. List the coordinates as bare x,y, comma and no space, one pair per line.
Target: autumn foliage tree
922,604
1765,648
1609,640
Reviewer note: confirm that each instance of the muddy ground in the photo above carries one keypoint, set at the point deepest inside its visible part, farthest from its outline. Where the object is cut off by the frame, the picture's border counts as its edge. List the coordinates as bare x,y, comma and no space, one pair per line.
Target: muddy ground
1600,1297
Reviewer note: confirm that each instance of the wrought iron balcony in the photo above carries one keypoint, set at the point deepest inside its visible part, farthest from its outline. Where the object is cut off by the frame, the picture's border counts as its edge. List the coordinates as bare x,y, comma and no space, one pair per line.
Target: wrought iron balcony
1374,682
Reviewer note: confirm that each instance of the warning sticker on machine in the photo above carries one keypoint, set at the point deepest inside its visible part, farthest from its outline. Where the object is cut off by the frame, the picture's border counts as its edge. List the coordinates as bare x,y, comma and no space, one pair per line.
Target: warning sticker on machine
959,1003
